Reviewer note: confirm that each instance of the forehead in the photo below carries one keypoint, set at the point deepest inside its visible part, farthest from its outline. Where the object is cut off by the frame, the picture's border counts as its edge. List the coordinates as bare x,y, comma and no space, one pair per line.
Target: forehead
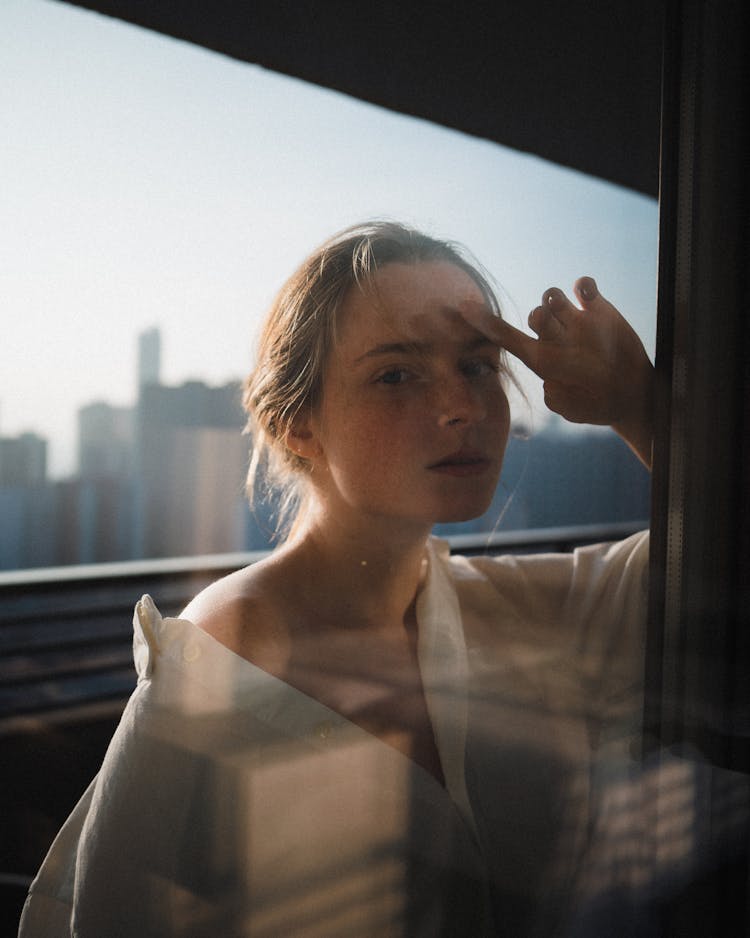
408,302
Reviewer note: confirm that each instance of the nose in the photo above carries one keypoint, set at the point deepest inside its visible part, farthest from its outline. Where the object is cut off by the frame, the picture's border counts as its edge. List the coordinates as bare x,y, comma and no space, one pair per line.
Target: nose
459,402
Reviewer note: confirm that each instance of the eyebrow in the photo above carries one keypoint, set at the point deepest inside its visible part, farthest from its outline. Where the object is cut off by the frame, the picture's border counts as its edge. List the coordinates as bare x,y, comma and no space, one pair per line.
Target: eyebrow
421,348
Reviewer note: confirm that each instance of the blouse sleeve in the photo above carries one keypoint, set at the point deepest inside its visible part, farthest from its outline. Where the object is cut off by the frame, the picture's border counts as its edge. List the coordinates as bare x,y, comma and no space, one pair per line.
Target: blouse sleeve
148,849
555,661
574,621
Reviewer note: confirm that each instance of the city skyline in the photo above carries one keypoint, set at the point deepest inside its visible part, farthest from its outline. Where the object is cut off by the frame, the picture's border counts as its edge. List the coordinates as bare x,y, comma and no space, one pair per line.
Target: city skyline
166,478
102,411
148,182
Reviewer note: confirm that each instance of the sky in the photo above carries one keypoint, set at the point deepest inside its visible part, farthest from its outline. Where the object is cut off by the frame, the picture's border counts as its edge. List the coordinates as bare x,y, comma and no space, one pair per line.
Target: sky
148,182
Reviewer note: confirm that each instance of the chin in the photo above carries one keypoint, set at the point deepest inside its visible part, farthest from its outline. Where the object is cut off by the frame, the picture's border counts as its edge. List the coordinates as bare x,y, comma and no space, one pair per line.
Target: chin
457,513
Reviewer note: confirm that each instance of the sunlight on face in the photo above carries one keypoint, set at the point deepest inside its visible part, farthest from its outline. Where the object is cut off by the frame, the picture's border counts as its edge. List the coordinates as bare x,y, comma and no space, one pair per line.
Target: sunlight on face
414,418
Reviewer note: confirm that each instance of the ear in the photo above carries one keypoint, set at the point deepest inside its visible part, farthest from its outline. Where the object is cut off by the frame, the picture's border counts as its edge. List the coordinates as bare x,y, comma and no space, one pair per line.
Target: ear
302,441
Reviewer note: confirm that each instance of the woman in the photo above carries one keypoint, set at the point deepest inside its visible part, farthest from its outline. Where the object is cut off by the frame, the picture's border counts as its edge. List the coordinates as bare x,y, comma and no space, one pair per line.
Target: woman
360,735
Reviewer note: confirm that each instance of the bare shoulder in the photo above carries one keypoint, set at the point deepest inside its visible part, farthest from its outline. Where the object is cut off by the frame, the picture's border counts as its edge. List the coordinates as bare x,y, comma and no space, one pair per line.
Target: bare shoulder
245,611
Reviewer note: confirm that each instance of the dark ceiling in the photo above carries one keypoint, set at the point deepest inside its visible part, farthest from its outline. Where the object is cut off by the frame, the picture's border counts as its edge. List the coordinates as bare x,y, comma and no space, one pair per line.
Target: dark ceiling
576,82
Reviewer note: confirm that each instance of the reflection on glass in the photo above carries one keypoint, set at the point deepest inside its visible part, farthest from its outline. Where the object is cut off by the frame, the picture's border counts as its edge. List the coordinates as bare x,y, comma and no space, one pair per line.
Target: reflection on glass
148,236
233,800
248,808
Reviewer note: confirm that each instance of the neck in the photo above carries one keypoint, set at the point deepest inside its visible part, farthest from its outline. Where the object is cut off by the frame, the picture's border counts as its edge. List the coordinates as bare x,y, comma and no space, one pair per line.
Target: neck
365,573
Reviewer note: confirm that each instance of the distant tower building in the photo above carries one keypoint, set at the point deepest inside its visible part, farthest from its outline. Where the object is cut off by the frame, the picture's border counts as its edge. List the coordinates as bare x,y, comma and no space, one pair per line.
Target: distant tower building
149,358
25,503
105,440
23,460
100,499
192,460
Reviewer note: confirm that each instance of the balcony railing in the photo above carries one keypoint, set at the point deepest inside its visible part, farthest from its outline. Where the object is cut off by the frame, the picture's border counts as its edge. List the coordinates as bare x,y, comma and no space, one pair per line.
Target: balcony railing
66,632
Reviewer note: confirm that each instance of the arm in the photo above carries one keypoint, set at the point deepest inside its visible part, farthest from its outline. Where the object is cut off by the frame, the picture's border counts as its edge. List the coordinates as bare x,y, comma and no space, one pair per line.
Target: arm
593,365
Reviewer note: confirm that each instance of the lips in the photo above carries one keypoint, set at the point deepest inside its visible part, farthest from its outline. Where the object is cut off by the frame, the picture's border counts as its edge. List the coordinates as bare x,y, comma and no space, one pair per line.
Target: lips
462,463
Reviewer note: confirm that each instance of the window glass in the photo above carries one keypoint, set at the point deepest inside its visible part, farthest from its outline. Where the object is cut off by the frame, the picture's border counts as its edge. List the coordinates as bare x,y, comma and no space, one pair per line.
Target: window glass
155,197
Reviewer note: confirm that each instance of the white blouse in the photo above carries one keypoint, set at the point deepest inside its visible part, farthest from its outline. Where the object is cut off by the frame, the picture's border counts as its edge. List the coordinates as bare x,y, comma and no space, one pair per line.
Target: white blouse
230,803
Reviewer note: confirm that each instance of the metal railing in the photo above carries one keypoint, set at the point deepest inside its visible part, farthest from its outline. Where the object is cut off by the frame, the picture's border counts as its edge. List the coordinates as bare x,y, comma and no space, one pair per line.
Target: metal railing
66,632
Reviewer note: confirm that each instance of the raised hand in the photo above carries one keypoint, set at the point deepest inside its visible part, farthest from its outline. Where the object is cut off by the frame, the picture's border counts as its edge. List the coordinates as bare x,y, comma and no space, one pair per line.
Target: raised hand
593,365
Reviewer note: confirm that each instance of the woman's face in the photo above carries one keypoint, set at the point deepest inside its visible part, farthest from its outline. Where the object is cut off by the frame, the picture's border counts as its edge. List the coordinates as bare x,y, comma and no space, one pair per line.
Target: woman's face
413,420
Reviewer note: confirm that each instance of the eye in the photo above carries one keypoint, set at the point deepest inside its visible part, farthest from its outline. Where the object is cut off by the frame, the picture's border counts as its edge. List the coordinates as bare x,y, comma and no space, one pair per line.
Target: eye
480,367
394,376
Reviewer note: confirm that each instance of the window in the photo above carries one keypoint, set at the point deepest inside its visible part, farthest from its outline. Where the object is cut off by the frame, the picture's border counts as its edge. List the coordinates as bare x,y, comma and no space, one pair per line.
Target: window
698,657
157,195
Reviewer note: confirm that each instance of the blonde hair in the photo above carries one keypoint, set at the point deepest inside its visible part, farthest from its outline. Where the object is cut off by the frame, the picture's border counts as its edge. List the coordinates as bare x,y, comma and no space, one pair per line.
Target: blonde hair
300,330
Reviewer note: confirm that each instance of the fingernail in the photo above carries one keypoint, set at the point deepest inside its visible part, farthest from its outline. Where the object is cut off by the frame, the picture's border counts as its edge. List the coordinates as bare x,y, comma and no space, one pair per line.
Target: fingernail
552,296
587,288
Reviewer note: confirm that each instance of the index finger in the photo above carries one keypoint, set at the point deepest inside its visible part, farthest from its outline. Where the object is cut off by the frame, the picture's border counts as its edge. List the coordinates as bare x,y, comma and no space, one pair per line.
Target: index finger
518,343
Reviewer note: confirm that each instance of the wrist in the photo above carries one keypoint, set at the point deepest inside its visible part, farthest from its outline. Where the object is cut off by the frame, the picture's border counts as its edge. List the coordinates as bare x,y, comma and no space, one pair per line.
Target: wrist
637,428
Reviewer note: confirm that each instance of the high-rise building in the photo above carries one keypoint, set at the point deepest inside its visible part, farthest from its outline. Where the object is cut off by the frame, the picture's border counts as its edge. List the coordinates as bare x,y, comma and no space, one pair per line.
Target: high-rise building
191,463
23,460
149,357
105,440
26,536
